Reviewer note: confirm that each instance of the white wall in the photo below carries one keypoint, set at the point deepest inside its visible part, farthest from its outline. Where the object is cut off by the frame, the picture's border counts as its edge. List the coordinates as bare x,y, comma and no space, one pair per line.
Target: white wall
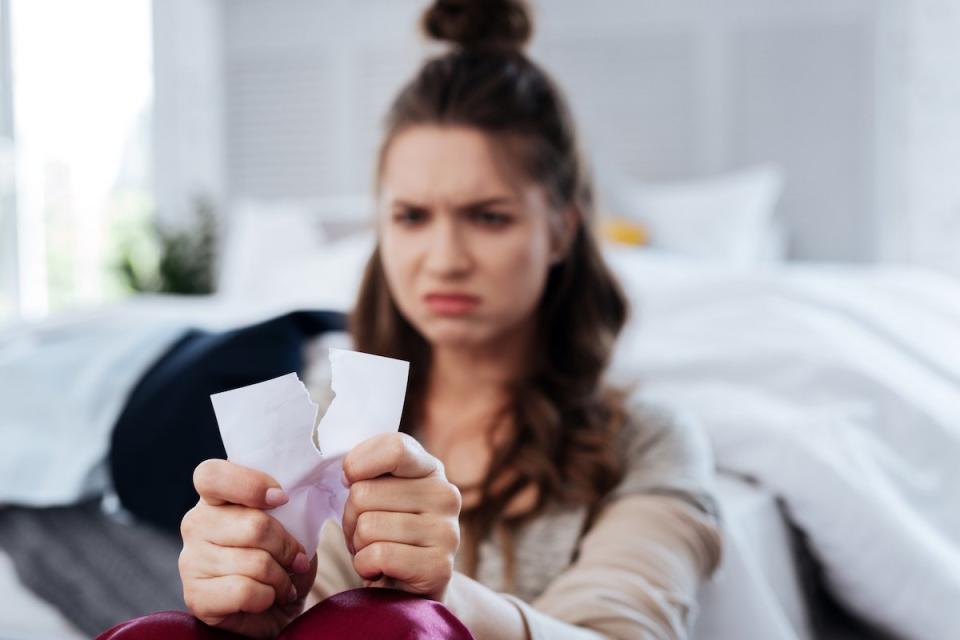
306,84
927,229
188,137
9,285
687,89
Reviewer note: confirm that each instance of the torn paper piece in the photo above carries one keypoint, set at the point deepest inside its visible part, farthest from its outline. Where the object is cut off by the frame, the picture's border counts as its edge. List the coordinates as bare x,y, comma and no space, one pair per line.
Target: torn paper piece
368,399
269,426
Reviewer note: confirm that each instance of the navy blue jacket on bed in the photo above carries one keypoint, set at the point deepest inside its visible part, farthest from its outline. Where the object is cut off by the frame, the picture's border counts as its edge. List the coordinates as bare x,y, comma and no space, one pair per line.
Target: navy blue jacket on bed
168,426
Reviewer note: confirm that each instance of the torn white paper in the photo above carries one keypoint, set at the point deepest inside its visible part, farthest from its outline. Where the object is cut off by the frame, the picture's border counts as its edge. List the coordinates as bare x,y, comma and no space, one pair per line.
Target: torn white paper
269,426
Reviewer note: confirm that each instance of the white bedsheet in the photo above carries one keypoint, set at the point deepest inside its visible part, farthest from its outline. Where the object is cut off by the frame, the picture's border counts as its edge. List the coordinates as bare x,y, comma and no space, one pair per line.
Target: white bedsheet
756,592
838,389
62,387
64,380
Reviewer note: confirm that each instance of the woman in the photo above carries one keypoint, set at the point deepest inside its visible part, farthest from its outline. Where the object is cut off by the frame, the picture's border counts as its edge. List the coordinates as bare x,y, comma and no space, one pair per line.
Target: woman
523,493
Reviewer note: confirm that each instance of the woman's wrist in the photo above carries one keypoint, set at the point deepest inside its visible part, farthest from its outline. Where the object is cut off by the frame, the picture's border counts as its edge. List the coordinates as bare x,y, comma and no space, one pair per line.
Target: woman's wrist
485,612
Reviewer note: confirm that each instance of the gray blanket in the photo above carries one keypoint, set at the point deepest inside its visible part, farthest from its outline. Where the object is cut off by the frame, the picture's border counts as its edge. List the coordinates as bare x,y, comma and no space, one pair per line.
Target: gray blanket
96,570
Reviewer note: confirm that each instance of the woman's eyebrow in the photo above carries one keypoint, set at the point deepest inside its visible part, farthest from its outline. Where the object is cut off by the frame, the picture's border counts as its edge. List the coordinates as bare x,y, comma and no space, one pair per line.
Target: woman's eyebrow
407,205
485,202
469,206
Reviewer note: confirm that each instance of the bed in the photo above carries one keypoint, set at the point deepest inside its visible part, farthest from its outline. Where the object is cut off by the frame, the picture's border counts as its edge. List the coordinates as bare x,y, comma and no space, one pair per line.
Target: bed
831,395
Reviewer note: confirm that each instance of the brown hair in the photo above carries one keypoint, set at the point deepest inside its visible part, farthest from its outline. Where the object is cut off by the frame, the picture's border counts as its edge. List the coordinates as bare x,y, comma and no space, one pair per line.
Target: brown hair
565,420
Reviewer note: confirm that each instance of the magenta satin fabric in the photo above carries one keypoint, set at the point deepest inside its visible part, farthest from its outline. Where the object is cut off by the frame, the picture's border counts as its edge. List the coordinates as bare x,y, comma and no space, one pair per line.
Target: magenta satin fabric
370,613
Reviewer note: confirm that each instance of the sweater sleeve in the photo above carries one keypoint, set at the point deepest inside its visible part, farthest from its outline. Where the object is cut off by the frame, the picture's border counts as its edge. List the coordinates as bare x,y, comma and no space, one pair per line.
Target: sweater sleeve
636,576
655,539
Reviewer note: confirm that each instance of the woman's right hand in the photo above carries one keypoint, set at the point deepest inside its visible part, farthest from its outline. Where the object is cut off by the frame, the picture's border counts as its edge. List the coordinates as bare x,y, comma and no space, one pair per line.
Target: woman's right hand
241,570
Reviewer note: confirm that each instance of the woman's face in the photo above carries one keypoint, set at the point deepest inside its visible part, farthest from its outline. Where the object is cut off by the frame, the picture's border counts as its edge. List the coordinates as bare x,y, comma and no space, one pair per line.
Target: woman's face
465,247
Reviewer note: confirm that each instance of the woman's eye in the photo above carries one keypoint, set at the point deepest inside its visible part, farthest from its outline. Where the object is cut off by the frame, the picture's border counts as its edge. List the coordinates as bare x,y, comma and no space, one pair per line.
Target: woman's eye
491,218
410,217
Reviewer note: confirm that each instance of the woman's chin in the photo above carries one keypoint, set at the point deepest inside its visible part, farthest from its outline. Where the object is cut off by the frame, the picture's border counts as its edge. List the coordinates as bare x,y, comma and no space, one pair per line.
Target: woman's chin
457,334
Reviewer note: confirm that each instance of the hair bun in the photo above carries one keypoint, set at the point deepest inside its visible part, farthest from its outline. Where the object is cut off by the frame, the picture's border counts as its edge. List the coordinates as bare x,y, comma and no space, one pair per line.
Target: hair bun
475,24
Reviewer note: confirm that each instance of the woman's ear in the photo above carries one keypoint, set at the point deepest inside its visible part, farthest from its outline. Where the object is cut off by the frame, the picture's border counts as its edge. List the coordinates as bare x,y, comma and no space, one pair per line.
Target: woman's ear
567,222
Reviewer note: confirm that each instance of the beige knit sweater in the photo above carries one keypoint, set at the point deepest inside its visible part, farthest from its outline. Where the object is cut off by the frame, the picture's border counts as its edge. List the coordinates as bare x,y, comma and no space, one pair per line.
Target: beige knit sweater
634,573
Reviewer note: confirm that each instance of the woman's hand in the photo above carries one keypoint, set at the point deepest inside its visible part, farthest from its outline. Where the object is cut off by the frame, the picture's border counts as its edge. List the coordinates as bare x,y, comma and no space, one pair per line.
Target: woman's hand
240,569
401,521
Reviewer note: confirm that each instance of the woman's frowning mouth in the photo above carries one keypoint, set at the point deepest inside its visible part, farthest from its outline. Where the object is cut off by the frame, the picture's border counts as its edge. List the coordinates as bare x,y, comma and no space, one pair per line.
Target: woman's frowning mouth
451,303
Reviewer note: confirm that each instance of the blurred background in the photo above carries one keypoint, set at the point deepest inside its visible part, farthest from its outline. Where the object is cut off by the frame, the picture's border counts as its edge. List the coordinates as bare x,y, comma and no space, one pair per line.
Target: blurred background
778,193
143,143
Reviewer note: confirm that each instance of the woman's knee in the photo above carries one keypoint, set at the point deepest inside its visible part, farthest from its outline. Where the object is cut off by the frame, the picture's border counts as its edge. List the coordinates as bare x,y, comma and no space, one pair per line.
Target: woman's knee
165,625
377,613
359,613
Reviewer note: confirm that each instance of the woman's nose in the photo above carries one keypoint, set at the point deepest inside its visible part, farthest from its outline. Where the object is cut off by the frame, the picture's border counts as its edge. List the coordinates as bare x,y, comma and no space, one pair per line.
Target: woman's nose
448,254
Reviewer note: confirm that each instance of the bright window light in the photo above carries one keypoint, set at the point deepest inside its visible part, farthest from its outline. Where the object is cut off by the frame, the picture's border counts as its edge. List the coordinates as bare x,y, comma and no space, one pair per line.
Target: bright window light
82,91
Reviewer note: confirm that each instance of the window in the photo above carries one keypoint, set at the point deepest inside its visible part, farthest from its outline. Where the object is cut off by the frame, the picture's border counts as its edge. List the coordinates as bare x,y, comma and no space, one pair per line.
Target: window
81,96
8,230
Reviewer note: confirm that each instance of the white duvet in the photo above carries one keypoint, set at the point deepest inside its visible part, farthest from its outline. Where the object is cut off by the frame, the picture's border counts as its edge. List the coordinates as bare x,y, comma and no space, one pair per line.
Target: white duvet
836,388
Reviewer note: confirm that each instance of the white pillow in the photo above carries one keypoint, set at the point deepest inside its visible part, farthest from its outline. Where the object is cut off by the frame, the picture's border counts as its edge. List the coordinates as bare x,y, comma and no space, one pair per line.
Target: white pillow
330,277
728,218
267,242
260,239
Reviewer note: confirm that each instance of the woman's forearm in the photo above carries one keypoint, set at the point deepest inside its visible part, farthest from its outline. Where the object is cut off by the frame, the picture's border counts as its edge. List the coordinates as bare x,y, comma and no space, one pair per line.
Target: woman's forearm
485,612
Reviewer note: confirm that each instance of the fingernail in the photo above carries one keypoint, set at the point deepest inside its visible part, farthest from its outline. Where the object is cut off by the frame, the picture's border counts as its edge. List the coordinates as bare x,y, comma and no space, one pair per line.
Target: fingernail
344,481
292,596
300,563
276,497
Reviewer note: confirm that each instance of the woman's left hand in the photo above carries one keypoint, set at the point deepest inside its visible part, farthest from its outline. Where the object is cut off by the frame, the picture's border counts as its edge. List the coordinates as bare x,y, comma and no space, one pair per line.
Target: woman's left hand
401,521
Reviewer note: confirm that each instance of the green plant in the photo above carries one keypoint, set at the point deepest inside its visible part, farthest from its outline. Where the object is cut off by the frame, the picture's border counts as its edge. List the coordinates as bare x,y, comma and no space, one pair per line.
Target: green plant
180,259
